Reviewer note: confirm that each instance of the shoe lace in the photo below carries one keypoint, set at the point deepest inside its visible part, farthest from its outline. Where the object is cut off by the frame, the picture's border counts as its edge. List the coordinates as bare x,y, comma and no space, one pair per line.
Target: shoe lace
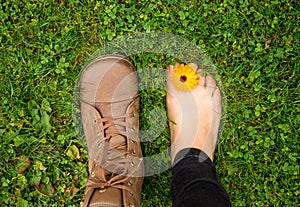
117,173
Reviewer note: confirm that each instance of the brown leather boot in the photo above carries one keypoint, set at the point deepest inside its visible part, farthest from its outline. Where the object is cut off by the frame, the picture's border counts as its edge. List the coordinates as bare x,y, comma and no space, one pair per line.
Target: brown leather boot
109,109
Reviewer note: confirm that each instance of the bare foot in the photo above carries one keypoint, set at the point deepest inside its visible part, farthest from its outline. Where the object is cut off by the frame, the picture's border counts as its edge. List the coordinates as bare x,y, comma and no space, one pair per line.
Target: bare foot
194,116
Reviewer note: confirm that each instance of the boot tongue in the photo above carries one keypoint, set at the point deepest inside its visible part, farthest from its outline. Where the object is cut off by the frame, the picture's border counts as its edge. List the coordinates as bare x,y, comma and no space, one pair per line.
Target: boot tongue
109,197
108,109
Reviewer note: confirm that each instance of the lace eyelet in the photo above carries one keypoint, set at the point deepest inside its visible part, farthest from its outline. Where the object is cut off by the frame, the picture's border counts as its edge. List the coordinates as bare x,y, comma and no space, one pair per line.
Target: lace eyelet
133,114
93,174
130,193
99,144
133,152
130,183
102,190
131,205
132,164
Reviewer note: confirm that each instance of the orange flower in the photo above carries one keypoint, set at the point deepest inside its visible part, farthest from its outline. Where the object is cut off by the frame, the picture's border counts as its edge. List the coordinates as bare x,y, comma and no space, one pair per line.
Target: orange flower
185,78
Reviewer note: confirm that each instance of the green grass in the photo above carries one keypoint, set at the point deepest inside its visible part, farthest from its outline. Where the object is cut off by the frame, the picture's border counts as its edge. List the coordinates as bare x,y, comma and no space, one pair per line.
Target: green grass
254,45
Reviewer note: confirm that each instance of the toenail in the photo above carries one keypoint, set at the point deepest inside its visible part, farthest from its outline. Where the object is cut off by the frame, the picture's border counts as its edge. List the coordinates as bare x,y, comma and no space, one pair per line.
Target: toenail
102,190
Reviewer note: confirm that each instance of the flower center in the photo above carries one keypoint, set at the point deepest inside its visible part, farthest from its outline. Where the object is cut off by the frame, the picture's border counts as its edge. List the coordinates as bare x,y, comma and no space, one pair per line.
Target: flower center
183,78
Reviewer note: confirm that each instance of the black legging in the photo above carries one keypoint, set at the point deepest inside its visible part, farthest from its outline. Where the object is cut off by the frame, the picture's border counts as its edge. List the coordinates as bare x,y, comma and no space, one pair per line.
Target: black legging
195,182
